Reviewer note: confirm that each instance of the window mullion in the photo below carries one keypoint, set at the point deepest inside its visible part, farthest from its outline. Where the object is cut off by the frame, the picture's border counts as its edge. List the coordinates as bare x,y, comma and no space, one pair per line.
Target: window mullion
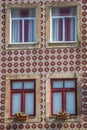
11,101
34,30
11,39
63,29
23,101
63,96
51,19
63,101
76,37
34,102
22,30
22,98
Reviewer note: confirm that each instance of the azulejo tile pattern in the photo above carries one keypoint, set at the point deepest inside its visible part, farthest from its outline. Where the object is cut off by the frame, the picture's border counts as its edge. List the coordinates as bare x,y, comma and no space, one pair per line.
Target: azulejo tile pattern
43,61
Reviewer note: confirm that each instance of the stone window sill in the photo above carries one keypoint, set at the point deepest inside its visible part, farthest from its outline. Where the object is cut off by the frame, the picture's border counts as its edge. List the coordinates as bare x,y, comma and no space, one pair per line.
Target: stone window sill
63,44
13,120
23,46
77,118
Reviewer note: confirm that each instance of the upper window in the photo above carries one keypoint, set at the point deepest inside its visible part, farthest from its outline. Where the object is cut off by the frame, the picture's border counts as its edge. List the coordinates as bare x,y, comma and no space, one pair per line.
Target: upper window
23,97
63,20
63,24
63,94
23,25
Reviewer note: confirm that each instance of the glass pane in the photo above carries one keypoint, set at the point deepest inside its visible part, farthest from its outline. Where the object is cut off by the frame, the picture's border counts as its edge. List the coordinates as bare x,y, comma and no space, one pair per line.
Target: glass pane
70,102
16,103
29,31
57,29
70,84
16,85
29,103
73,29
16,31
57,102
57,84
29,85
20,13
64,11
70,29
15,13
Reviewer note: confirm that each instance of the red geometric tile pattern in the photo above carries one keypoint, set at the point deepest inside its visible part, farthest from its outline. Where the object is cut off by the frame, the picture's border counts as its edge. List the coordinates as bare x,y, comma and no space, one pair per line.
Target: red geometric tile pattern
42,61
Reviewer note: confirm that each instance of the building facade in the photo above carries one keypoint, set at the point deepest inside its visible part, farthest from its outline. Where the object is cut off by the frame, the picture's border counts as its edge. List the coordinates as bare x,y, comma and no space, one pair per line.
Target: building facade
43,64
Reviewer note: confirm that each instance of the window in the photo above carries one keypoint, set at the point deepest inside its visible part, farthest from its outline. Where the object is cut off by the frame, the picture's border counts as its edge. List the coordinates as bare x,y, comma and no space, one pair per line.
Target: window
64,93
23,25
63,20
23,97
63,96
63,24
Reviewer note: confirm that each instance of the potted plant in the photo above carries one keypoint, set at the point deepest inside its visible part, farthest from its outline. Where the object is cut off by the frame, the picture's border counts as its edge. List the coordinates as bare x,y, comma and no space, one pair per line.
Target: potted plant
62,115
21,116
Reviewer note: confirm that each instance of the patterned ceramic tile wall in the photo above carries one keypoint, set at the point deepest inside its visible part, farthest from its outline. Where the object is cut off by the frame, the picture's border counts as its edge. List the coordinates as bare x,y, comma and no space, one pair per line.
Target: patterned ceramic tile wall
43,61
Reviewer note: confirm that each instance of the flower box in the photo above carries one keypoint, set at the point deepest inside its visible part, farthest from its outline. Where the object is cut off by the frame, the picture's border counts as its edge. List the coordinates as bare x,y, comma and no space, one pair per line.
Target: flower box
21,116
62,116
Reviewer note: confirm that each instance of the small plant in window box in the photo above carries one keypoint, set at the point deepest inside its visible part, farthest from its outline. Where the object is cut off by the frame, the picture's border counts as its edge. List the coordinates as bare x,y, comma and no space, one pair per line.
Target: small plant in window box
21,116
62,115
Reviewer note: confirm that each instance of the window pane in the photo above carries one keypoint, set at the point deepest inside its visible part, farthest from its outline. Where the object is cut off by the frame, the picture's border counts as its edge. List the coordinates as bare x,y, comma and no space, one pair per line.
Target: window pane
29,85
16,85
73,30
15,13
57,84
65,11
20,13
16,31
23,26
29,31
70,29
55,11
16,103
29,103
70,102
57,29
70,84
64,24
57,102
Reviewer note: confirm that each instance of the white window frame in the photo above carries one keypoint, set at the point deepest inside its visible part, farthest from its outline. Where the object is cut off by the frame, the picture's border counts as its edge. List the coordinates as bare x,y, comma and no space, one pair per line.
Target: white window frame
23,19
63,17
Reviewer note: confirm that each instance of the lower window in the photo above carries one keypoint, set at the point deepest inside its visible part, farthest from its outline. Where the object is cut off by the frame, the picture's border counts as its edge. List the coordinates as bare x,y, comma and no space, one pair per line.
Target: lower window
63,96
22,97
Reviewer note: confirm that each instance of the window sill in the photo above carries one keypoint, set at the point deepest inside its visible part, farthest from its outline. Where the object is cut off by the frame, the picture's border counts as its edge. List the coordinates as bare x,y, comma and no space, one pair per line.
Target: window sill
63,44
78,118
13,120
23,46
